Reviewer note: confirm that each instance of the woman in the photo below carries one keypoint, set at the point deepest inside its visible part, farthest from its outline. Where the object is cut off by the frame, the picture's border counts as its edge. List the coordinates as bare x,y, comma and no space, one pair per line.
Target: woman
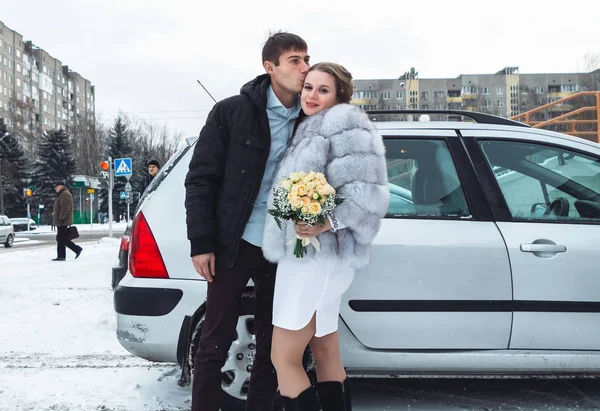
338,140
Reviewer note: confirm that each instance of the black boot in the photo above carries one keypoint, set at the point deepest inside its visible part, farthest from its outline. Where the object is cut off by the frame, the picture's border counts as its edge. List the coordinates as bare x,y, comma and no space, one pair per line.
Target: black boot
306,401
334,396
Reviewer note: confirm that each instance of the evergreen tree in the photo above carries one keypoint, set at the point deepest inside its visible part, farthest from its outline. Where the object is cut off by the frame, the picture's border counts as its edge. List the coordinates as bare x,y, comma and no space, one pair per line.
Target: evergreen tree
119,146
15,172
55,163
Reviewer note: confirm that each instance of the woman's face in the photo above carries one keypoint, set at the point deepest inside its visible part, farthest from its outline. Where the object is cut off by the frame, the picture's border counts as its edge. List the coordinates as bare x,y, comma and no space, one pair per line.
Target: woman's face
318,92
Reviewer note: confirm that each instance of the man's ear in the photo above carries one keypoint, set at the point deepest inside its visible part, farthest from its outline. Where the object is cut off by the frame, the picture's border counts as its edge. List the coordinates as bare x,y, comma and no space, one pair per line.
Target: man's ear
269,67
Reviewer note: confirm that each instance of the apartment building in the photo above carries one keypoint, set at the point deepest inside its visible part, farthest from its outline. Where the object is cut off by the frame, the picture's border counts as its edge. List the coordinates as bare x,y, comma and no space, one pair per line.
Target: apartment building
506,93
38,92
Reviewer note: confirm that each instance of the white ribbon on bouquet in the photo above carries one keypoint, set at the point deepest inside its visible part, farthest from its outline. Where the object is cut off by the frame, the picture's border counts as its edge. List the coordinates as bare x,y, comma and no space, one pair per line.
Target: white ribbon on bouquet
306,241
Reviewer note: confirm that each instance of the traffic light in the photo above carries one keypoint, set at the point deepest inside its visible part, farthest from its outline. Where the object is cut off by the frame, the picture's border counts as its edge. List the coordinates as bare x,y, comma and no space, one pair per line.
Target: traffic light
104,165
28,192
87,202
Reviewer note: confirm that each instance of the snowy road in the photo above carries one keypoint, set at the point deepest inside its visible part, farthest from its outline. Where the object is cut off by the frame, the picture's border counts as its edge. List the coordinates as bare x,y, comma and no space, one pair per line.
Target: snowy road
58,352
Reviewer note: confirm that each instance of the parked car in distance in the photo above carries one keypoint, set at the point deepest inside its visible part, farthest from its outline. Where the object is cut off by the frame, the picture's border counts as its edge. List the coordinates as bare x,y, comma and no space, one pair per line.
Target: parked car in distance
20,224
7,233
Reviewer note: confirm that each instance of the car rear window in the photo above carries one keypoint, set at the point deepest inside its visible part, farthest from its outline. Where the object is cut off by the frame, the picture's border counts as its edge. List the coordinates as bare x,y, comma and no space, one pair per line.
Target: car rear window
164,172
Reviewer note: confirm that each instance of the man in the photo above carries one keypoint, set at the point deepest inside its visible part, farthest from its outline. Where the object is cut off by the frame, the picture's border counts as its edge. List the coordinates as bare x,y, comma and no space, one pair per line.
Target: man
153,167
62,217
227,186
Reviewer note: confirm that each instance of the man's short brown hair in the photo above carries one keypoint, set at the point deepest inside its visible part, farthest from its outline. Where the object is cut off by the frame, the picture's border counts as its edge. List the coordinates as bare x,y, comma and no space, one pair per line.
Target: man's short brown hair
279,43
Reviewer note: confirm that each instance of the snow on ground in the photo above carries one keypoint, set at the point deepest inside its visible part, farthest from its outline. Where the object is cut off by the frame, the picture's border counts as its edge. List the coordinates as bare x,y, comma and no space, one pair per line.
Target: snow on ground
80,227
58,349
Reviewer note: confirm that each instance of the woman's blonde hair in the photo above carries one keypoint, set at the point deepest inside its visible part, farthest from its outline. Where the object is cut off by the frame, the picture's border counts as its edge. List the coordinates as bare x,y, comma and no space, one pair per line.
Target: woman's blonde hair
343,80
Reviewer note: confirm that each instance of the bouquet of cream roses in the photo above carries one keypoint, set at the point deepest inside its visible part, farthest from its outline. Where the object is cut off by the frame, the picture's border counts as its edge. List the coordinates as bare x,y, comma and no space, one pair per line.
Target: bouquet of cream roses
304,197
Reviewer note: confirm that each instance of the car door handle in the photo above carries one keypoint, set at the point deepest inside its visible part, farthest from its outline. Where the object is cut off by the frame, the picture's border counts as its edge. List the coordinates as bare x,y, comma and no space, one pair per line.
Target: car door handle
543,248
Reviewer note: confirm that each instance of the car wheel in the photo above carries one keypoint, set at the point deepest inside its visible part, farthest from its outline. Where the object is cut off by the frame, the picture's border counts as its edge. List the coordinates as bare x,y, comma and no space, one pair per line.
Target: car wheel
235,376
9,241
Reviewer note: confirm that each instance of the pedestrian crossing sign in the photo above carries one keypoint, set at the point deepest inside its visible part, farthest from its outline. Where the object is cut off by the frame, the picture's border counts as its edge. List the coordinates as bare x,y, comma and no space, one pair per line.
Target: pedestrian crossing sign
123,167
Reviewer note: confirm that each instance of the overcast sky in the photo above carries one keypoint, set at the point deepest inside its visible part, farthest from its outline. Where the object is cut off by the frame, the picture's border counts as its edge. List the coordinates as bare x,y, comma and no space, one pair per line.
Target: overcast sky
144,56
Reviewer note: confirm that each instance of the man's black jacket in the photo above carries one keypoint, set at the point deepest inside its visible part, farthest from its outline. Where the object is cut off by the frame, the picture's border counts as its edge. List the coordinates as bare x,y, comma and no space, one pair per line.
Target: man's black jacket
226,171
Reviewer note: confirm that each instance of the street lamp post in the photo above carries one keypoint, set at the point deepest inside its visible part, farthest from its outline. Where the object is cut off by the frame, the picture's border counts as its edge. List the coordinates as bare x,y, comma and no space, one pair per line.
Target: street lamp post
1,184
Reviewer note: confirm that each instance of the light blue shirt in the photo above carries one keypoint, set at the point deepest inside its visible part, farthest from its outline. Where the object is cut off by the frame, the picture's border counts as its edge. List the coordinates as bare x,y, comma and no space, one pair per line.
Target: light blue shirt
281,123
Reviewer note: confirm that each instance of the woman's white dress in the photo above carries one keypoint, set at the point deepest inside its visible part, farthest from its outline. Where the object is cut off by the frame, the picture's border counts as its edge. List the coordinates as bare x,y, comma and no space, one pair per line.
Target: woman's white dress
304,287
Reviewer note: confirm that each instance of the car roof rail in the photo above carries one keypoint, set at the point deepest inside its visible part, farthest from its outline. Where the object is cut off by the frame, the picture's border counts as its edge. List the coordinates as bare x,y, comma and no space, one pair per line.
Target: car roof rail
478,117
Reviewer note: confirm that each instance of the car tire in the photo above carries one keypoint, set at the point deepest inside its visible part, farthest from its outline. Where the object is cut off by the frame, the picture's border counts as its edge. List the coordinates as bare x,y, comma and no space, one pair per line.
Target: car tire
9,241
234,400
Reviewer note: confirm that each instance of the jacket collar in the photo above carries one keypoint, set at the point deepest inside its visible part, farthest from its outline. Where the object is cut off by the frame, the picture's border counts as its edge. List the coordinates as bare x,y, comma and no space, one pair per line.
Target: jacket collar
256,90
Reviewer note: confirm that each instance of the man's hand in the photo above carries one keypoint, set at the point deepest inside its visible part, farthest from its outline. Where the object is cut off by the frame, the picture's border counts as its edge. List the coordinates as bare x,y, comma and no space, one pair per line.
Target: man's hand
205,265
307,231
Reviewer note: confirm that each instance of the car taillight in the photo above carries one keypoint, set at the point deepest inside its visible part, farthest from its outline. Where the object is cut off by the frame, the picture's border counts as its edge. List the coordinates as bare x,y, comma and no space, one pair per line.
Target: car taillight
124,243
145,260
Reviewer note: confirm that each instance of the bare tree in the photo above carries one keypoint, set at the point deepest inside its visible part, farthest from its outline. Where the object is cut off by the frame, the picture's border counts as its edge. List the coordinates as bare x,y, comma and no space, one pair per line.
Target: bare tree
590,63
89,142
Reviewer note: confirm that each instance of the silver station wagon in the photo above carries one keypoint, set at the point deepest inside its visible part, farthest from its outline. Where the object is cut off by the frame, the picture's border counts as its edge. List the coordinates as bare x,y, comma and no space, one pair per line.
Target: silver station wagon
487,262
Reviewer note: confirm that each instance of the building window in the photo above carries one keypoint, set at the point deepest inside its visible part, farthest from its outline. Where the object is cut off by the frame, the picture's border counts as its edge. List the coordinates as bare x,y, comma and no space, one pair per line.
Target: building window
500,103
469,90
18,53
485,90
10,63
500,91
424,95
400,95
45,108
18,82
18,67
386,96
568,87
438,94
539,90
44,69
10,49
486,103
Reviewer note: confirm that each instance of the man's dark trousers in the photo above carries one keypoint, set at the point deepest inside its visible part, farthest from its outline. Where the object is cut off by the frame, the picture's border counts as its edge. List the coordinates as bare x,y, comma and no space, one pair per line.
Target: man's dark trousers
62,241
220,320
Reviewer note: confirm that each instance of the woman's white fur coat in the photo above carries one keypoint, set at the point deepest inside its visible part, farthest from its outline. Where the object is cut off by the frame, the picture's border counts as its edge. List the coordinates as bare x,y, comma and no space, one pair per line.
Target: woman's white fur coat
343,144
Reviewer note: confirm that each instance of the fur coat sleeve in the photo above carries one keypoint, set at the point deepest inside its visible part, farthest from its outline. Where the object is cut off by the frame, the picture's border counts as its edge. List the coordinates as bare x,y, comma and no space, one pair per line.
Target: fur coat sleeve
342,143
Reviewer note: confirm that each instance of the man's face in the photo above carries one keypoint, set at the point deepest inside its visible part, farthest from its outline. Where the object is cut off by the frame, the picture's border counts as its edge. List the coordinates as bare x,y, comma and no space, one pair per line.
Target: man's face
291,71
58,188
152,169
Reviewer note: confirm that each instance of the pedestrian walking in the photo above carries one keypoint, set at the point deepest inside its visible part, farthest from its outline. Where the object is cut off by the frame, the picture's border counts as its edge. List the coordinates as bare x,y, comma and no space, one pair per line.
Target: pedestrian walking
62,218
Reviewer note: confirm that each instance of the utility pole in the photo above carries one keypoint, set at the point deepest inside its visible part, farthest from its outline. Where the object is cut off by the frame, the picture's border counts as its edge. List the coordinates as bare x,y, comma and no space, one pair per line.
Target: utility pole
110,193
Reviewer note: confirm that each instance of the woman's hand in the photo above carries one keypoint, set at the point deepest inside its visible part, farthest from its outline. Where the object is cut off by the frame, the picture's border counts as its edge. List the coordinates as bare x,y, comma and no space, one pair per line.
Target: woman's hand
307,231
